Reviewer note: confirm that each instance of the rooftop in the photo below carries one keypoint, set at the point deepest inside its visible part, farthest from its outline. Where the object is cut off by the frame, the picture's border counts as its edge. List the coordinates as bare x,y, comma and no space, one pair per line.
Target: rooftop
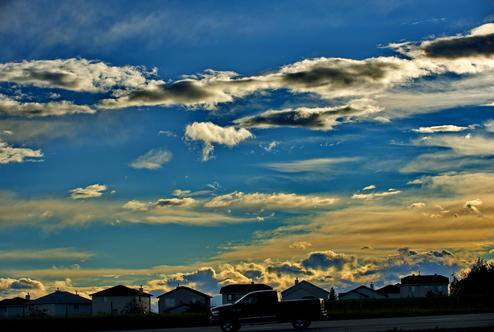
424,279
16,301
300,283
120,290
390,289
185,288
61,297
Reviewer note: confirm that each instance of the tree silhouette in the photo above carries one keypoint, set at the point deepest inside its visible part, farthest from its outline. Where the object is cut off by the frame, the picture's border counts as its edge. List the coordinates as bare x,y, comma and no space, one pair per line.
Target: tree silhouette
478,282
332,294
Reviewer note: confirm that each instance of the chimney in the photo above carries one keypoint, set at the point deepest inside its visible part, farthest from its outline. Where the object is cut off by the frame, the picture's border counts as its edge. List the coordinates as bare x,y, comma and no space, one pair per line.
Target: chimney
296,281
28,297
372,285
141,289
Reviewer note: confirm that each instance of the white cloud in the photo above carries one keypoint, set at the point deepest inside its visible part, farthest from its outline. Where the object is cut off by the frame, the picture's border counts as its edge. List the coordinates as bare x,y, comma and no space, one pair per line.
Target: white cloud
462,145
439,129
369,187
416,181
271,146
72,74
20,286
32,109
153,159
210,134
91,191
136,205
10,154
181,193
302,245
275,200
489,126
375,195
473,205
417,205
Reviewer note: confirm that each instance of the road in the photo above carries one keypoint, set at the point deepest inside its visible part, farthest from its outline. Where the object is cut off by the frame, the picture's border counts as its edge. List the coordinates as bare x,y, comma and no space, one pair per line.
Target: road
366,325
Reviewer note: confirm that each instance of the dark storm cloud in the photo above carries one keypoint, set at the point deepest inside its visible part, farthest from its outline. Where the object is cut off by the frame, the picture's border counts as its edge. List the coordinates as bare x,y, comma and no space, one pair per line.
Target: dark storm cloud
321,118
440,253
291,118
326,77
342,77
57,79
324,260
407,252
178,92
461,47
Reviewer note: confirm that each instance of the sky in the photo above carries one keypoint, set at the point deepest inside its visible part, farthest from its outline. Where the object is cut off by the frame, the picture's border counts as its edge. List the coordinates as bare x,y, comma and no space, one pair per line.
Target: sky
205,143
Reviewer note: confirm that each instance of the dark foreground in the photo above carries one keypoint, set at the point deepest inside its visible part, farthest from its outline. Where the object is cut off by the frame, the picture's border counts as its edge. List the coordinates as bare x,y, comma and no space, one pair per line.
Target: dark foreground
469,322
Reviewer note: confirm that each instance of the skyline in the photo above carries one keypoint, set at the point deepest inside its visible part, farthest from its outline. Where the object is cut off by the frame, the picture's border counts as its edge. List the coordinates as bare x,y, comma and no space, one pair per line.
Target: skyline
213,143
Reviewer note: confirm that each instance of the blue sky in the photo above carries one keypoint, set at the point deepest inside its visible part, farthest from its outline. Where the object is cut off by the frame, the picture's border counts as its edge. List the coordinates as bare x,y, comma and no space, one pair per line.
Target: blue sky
215,142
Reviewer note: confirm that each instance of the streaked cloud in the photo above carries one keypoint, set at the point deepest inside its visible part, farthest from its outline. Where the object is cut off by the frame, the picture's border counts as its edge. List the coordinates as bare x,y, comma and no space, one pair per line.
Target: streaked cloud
45,254
13,107
182,201
309,165
267,201
439,129
375,195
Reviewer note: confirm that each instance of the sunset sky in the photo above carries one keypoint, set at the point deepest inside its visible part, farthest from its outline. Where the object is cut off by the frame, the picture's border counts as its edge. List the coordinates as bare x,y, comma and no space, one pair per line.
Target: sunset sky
214,142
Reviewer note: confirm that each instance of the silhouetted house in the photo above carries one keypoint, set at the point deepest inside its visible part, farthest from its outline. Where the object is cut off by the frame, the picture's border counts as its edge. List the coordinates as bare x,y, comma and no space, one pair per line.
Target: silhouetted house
390,291
14,308
361,293
184,299
424,286
232,293
121,300
304,290
61,304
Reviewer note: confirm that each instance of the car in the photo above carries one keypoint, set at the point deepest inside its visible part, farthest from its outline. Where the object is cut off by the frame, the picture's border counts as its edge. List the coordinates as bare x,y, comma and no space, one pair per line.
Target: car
261,307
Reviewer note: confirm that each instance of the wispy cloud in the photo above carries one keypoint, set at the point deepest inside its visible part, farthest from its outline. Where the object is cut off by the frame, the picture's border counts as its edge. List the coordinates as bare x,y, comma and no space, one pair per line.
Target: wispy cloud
319,165
45,254
152,160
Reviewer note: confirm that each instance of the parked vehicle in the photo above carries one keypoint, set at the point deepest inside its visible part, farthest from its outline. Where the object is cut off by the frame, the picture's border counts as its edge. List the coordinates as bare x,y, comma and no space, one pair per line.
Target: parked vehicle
261,307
